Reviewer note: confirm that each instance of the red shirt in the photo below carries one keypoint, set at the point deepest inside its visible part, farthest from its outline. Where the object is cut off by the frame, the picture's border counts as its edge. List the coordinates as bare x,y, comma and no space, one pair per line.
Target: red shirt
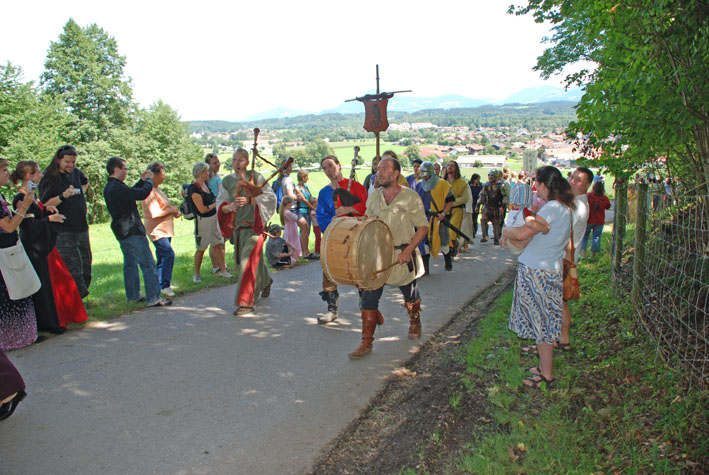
597,206
359,191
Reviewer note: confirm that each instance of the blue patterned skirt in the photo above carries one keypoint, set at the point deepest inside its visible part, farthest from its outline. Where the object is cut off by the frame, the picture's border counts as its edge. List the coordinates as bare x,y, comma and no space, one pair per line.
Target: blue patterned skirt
537,304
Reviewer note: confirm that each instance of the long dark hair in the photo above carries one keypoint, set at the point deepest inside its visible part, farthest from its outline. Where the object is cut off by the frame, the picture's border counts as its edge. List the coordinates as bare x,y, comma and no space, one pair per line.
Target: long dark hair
558,186
52,171
456,174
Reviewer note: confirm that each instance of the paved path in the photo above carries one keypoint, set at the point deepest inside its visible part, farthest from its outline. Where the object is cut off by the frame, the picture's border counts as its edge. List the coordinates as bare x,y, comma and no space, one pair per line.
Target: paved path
193,389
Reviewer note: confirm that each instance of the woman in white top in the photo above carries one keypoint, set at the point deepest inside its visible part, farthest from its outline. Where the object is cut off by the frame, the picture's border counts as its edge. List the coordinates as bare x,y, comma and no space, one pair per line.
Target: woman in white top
537,306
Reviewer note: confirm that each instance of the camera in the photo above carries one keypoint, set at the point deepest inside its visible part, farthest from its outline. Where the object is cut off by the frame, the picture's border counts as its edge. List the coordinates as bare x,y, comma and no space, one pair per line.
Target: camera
31,186
76,191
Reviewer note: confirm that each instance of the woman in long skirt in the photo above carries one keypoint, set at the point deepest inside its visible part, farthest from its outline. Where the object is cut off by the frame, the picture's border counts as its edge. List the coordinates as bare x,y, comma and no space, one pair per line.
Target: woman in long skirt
18,327
537,305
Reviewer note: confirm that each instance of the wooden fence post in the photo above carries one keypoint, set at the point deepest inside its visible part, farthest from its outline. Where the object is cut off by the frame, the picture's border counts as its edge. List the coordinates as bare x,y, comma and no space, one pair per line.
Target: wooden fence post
621,218
640,239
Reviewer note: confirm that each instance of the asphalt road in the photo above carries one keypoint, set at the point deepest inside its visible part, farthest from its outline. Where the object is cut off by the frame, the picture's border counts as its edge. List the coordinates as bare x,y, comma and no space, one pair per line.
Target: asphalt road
193,389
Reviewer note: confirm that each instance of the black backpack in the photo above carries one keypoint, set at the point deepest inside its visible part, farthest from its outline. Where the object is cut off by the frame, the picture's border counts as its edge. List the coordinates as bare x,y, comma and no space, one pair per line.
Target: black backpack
186,208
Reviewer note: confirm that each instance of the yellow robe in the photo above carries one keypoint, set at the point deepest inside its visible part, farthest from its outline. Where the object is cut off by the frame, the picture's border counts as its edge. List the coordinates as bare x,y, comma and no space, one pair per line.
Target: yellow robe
438,195
461,191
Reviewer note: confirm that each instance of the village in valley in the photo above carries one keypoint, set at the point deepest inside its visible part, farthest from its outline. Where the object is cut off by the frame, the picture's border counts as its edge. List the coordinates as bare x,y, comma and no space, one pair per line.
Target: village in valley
483,146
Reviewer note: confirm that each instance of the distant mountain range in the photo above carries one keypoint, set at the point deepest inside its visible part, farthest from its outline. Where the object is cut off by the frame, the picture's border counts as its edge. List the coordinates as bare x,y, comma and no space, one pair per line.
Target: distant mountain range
408,103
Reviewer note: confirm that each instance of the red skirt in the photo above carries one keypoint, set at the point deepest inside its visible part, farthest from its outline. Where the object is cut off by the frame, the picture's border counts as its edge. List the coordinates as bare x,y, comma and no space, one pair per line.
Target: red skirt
70,307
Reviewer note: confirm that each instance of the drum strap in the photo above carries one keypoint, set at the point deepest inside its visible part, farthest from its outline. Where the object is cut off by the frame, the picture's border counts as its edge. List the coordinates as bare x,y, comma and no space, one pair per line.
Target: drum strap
412,263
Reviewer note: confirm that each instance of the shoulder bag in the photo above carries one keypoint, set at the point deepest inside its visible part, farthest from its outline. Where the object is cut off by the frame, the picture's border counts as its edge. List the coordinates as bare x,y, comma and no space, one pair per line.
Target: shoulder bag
17,272
570,275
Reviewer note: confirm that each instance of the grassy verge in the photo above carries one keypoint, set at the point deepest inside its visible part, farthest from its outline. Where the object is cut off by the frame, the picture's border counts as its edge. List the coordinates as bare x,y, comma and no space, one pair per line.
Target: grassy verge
616,407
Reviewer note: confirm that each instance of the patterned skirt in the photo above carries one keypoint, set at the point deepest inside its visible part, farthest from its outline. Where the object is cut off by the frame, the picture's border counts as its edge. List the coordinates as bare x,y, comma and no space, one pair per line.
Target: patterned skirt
537,304
18,325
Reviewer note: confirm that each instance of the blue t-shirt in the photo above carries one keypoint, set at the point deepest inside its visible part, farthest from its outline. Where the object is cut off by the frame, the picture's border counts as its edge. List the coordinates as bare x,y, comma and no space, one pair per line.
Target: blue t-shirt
326,208
545,251
213,184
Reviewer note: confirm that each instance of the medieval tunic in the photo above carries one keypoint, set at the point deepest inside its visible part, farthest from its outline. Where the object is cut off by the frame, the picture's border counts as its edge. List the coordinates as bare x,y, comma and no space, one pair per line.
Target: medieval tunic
461,192
252,270
403,216
440,195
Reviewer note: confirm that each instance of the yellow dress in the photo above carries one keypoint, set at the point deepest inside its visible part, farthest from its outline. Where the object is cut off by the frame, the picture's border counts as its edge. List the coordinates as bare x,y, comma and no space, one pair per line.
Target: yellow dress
438,196
461,192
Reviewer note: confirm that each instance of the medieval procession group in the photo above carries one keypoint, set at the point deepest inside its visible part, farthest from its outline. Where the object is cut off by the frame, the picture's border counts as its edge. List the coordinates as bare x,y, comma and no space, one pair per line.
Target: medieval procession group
427,215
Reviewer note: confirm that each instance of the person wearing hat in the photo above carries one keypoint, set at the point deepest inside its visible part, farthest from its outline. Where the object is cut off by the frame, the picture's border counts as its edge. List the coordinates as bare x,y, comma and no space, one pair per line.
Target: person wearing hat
493,202
440,198
279,252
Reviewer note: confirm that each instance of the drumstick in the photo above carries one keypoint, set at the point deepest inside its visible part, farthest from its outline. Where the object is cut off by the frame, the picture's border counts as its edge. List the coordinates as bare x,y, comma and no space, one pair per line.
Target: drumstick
385,269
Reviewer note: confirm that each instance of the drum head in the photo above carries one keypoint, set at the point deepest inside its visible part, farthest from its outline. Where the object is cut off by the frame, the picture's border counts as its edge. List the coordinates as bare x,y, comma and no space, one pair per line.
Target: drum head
375,251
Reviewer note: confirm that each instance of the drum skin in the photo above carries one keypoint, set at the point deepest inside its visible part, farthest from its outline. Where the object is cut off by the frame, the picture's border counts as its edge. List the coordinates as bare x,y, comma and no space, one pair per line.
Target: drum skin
354,248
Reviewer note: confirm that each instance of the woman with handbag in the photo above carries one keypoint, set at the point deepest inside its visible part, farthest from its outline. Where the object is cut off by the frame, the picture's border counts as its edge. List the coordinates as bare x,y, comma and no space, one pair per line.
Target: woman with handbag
537,306
18,327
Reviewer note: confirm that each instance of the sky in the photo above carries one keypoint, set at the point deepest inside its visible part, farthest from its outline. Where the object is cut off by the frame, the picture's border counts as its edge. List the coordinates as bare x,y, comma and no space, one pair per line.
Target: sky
225,60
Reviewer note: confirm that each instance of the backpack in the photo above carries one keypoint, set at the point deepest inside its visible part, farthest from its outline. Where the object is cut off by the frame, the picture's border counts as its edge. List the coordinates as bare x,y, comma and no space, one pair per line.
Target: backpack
278,190
186,208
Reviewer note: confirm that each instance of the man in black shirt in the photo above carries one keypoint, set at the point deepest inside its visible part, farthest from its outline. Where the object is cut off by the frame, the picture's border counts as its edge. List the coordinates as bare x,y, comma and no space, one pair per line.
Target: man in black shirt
63,185
130,233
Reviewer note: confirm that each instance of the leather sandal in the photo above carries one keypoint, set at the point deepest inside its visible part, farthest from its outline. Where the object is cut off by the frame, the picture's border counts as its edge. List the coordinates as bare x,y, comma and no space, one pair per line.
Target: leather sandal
537,382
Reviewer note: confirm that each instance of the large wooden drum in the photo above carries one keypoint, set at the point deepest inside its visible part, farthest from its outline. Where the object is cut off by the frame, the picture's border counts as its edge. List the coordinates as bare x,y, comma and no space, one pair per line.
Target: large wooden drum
353,249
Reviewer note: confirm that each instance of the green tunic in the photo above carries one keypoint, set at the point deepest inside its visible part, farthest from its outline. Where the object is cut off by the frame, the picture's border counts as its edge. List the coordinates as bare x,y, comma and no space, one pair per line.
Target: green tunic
248,238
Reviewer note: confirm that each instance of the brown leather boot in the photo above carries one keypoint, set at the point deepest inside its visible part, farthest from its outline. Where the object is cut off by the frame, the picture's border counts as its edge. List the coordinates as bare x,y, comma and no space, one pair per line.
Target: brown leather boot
370,319
414,311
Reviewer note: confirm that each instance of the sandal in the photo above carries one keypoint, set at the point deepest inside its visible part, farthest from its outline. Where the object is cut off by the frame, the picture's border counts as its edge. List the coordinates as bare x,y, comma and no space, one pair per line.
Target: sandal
536,371
537,382
530,350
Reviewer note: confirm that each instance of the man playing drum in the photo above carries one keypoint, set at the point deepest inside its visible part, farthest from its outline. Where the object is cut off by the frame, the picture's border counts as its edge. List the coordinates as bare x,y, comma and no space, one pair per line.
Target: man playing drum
328,208
252,214
402,210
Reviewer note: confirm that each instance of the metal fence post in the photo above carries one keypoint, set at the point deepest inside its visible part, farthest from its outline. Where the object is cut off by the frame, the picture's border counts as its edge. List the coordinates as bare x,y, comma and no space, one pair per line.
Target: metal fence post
621,218
640,239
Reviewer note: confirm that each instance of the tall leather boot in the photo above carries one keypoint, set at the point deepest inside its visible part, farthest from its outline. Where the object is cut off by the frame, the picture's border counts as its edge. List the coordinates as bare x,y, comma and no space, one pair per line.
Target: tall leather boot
426,260
448,261
370,320
413,309
331,297
483,230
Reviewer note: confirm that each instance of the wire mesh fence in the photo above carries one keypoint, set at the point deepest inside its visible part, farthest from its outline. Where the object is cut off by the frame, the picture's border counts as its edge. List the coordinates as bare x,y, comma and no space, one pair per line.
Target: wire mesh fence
661,256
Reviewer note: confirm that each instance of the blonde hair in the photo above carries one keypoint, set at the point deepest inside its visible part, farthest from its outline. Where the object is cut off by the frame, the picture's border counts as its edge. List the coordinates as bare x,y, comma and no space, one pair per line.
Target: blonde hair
286,204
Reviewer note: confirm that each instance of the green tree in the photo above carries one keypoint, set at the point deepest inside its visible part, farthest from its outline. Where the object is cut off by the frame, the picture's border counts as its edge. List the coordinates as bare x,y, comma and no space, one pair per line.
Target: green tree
280,150
85,72
647,96
317,150
30,127
412,153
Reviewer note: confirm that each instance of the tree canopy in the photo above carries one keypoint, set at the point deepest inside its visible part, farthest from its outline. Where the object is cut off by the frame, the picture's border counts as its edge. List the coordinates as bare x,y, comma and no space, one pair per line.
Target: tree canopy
645,91
86,100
